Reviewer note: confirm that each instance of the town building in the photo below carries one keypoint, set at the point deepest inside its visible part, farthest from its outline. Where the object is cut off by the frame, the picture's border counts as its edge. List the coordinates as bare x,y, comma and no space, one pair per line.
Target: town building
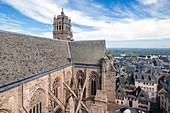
164,101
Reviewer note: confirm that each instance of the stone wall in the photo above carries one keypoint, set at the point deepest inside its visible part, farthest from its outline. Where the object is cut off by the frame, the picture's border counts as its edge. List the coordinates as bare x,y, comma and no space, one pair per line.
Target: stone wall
22,56
110,88
27,95
9,100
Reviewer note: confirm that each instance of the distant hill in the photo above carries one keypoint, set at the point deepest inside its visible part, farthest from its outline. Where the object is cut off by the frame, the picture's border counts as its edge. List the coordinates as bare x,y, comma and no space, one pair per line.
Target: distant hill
139,51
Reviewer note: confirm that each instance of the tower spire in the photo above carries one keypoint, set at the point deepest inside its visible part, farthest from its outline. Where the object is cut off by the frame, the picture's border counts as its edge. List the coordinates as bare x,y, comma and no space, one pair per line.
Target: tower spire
62,12
62,27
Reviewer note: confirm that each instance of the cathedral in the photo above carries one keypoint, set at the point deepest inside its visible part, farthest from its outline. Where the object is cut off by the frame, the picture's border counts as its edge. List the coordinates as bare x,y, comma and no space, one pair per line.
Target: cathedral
59,75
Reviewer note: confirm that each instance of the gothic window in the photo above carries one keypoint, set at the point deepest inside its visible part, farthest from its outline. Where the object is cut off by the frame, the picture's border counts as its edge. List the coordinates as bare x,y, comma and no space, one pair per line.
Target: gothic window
93,78
56,86
80,78
84,93
93,87
37,101
40,107
100,82
30,111
36,109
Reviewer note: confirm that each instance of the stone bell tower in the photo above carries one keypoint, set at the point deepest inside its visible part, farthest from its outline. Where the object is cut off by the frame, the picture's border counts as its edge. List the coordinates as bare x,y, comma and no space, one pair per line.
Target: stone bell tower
62,27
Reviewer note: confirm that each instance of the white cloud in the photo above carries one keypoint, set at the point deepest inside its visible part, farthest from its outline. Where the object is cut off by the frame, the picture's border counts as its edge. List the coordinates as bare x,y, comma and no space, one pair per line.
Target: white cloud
151,2
47,35
146,2
130,28
9,24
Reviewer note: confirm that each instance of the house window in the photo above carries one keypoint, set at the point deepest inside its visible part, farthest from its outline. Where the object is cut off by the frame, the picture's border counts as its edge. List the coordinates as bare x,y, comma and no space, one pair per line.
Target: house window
152,94
117,101
121,102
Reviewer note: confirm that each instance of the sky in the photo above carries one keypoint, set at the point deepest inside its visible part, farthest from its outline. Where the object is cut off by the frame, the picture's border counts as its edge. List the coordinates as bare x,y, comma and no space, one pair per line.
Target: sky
122,23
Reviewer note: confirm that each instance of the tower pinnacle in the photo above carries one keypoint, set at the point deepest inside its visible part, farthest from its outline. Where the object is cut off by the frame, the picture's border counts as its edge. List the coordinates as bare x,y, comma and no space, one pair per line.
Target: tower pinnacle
62,12
62,27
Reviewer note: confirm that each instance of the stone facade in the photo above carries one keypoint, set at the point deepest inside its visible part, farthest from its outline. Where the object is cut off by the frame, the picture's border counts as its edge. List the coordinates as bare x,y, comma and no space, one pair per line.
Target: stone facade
41,75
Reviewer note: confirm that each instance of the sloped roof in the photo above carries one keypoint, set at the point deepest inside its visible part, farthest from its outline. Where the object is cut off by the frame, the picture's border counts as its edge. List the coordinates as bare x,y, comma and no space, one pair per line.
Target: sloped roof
162,91
22,56
141,95
87,52
120,91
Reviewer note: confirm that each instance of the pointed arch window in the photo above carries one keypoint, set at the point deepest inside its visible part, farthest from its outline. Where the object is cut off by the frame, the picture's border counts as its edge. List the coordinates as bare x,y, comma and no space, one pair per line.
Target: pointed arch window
56,86
80,78
93,78
37,101
93,87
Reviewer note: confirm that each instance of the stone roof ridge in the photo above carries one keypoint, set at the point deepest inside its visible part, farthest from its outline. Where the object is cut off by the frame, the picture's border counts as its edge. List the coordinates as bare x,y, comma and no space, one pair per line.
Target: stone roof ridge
27,35
120,88
142,95
162,91
86,40
137,91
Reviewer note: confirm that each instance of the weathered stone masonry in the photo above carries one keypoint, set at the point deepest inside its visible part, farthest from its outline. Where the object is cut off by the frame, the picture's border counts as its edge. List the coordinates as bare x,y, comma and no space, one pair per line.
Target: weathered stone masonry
41,75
